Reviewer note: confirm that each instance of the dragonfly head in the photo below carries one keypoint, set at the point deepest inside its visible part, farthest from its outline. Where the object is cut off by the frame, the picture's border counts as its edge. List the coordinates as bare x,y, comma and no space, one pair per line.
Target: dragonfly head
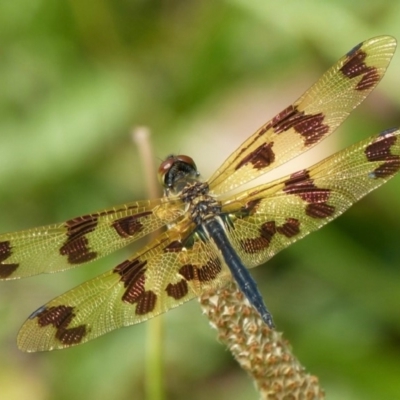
176,172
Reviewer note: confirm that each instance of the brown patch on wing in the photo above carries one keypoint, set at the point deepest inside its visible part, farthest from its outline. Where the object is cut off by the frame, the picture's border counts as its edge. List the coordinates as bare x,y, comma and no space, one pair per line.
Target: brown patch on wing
355,66
6,269
267,231
5,250
146,303
77,251
278,123
290,228
257,244
309,126
205,273
80,226
177,290
133,276
76,247
300,184
303,186
251,206
387,169
319,210
60,317
380,151
129,226
260,158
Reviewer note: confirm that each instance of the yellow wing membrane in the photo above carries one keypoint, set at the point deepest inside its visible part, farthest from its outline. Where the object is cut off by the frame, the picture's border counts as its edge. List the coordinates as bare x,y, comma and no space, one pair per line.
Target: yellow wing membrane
209,235
87,238
268,218
310,119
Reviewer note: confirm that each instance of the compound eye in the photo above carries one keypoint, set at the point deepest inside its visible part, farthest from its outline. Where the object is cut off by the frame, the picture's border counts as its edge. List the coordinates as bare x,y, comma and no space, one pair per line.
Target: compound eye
186,160
173,168
164,168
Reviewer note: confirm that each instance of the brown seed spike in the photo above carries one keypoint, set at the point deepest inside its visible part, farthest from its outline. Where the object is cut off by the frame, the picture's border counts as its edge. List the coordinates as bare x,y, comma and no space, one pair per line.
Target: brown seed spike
290,228
260,157
146,303
129,226
177,290
6,270
319,210
355,66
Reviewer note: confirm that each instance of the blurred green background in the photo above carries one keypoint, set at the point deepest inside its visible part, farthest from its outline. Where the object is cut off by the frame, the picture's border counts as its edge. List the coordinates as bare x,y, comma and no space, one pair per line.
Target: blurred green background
77,76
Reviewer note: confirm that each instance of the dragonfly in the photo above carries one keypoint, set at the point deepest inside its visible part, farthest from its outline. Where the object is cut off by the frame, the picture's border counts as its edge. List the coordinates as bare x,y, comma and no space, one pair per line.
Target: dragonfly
211,232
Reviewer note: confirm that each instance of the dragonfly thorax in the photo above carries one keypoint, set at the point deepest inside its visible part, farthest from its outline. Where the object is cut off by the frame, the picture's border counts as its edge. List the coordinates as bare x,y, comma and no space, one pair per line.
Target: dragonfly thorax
203,208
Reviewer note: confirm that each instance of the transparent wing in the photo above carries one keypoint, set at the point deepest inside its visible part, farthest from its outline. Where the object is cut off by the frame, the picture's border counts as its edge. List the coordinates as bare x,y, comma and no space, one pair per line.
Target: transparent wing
80,240
311,118
270,217
164,275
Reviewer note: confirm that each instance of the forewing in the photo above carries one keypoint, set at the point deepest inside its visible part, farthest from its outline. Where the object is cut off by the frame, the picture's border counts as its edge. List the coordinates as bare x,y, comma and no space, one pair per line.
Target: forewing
311,118
164,275
80,240
270,217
